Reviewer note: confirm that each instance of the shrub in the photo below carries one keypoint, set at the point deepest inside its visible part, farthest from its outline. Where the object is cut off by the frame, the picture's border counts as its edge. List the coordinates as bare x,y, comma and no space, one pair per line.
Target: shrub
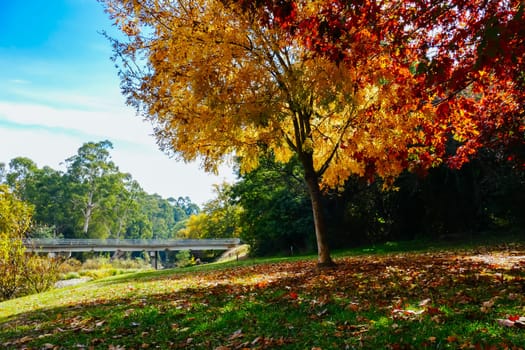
98,263
131,264
40,273
184,258
70,276
69,265
95,274
15,221
12,261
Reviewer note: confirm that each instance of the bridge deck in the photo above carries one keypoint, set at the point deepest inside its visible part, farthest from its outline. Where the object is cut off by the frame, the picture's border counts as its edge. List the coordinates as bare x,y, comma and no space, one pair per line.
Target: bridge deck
45,245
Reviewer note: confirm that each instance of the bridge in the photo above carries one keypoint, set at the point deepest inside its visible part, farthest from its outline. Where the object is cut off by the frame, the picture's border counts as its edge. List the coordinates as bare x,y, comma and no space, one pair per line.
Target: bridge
52,245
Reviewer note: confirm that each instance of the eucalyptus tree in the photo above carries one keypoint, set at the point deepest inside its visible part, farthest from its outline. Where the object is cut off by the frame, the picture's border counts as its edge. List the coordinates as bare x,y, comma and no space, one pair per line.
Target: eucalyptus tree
94,181
20,176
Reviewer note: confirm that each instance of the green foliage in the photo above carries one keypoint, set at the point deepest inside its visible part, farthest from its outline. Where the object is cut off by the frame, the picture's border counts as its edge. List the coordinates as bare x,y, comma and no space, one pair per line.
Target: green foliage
485,194
20,273
101,267
44,231
185,205
69,276
15,220
160,214
95,182
12,260
92,199
223,213
269,208
20,176
219,217
15,215
276,211
40,273
184,258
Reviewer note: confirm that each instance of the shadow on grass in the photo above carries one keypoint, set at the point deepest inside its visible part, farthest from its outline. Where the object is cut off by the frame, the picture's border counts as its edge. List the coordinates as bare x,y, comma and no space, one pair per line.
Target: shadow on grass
431,300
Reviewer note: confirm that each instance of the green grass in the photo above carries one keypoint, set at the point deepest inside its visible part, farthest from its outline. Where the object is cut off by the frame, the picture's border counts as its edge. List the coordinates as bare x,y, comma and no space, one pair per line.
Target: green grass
395,299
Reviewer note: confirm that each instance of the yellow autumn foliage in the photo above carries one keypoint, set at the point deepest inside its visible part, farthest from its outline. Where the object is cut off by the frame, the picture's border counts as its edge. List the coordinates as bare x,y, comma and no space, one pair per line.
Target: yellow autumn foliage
217,83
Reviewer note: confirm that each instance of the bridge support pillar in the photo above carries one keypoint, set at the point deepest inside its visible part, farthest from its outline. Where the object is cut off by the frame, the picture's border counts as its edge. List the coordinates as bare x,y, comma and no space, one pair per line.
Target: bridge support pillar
154,255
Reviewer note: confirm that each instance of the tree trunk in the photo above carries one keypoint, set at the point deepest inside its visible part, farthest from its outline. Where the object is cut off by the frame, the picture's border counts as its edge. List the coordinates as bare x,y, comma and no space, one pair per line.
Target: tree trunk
87,214
312,182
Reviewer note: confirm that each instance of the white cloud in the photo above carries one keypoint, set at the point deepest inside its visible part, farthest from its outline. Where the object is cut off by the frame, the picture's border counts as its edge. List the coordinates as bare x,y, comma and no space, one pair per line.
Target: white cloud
19,81
159,174
112,124
44,148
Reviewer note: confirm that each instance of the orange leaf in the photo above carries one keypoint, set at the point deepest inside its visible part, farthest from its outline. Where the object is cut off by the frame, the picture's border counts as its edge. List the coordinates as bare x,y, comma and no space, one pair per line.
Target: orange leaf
262,284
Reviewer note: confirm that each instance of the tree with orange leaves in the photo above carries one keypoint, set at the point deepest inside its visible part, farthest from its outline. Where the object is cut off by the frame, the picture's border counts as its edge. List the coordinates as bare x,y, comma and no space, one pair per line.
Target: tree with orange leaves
218,78
468,56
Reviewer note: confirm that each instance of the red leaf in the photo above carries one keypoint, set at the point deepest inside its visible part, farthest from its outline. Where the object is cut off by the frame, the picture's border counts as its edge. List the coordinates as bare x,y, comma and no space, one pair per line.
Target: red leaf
432,311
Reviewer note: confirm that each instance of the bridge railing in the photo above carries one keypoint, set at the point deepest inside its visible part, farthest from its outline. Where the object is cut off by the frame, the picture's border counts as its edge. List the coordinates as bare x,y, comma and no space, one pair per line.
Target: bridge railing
68,242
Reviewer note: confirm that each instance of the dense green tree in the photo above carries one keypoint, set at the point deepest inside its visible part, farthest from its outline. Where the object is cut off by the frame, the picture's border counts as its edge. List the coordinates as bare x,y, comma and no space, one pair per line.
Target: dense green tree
124,205
50,198
139,227
223,212
93,198
94,182
187,206
179,213
44,189
20,176
160,213
276,215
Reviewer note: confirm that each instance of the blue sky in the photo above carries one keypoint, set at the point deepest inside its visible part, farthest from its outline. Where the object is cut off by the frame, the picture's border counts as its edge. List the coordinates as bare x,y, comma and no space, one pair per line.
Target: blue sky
59,89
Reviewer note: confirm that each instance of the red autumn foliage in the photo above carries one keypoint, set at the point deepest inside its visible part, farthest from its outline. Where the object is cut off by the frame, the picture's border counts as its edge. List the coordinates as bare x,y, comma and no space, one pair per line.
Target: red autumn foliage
468,56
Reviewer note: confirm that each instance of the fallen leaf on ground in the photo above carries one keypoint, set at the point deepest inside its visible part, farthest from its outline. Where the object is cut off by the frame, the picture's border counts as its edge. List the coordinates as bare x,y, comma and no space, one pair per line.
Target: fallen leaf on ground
236,334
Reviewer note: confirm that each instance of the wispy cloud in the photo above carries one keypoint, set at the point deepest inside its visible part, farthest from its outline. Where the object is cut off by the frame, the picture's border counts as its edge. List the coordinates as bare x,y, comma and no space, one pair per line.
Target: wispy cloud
19,81
114,124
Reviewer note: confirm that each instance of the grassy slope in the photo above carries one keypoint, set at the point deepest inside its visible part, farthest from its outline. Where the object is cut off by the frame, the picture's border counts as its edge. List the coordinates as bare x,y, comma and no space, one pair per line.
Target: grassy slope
441,299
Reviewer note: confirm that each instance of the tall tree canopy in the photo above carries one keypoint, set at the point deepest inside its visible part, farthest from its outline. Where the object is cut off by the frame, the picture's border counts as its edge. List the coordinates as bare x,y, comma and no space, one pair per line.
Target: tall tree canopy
92,198
469,56
214,82
93,175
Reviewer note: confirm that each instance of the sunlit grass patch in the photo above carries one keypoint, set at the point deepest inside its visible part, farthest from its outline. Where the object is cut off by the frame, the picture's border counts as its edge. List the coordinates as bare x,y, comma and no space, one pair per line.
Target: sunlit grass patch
438,300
